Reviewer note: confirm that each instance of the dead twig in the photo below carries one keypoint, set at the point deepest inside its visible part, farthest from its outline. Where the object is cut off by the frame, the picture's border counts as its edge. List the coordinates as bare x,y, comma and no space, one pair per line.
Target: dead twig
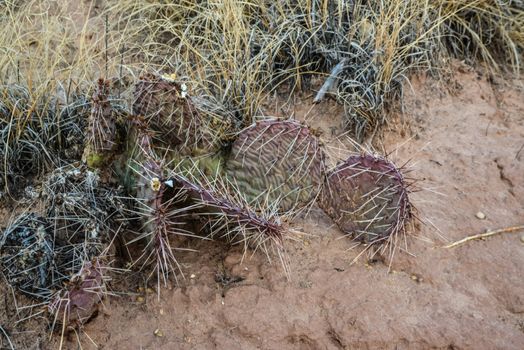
484,235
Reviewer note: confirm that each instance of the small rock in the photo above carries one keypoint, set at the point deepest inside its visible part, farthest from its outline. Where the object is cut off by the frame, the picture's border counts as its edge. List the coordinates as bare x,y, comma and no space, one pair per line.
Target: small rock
480,215
158,333
522,238
193,276
140,299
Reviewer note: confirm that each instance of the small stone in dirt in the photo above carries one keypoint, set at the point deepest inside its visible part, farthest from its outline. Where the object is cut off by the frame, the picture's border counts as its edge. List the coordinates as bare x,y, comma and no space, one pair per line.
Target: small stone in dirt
140,299
193,276
158,333
522,238
416,278
480,215
306,284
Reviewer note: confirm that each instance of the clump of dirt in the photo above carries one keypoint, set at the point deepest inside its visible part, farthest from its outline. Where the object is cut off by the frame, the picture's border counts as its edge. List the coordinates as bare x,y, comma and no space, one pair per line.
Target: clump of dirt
466,146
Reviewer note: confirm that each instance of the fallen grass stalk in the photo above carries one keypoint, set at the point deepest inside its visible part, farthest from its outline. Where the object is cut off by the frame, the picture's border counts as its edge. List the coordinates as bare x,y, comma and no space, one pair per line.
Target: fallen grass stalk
485,235
11,346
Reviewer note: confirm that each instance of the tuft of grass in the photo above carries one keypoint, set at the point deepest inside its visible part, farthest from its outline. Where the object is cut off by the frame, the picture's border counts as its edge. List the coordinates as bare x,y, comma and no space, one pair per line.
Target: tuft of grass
234,55
240,52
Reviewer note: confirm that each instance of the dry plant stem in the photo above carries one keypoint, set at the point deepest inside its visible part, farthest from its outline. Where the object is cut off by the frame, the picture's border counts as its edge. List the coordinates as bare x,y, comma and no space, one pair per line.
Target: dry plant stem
484,235
11,346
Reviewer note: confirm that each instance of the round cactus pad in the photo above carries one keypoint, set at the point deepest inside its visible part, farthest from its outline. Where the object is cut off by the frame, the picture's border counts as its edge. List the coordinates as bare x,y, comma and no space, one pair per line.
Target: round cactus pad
277,163
367,197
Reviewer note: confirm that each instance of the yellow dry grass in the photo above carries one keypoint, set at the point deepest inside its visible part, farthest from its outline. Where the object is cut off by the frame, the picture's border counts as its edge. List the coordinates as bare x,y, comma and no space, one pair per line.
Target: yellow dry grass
238,52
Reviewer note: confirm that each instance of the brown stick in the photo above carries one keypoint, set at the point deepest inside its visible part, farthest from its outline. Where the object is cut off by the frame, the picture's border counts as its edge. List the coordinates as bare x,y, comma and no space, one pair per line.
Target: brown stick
484,235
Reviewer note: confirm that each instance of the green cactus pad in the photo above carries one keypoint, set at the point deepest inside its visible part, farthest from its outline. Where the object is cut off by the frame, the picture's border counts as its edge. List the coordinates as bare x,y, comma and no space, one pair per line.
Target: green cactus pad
367,197
277,163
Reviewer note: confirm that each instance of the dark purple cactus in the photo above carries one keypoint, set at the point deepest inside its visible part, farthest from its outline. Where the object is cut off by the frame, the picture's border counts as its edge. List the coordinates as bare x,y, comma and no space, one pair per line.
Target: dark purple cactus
224,215
78,302
171,114
279,163
367,197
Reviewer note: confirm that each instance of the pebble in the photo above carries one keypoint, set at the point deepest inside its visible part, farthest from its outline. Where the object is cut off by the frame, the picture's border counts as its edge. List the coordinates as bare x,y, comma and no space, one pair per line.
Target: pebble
140,299
158,333
192,276
480,215
522,238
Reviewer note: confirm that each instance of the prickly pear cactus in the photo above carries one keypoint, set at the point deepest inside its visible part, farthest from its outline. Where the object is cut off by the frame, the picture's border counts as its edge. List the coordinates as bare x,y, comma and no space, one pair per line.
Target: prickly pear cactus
27,255
78,301
367,197
277,163
101,131
222,214
171,114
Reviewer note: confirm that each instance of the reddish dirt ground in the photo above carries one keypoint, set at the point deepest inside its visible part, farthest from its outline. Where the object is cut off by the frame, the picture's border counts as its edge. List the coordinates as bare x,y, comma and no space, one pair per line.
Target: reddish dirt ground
467,148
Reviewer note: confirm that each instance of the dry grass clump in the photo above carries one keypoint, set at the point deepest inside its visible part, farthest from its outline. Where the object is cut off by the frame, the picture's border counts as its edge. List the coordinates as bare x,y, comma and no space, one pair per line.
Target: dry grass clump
238,52
234,54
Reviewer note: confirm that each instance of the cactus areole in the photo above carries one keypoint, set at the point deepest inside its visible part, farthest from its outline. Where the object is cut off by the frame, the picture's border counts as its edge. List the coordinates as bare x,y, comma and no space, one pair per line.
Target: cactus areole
367,197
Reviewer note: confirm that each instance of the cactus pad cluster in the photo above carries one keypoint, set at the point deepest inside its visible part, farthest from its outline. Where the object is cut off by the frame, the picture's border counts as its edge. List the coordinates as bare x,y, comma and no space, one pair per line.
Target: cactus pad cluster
164,170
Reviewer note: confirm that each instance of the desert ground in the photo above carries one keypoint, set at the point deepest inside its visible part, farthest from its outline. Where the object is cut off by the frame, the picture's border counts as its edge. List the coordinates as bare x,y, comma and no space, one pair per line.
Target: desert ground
464,146
460,136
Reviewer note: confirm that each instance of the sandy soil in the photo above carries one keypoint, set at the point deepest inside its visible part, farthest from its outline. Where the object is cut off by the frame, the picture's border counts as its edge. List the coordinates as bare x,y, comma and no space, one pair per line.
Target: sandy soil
466,146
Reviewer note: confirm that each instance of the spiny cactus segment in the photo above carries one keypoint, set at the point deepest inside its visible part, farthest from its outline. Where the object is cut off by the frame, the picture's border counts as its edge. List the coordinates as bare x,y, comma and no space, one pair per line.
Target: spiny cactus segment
172,115
79,300
367,197
277,162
